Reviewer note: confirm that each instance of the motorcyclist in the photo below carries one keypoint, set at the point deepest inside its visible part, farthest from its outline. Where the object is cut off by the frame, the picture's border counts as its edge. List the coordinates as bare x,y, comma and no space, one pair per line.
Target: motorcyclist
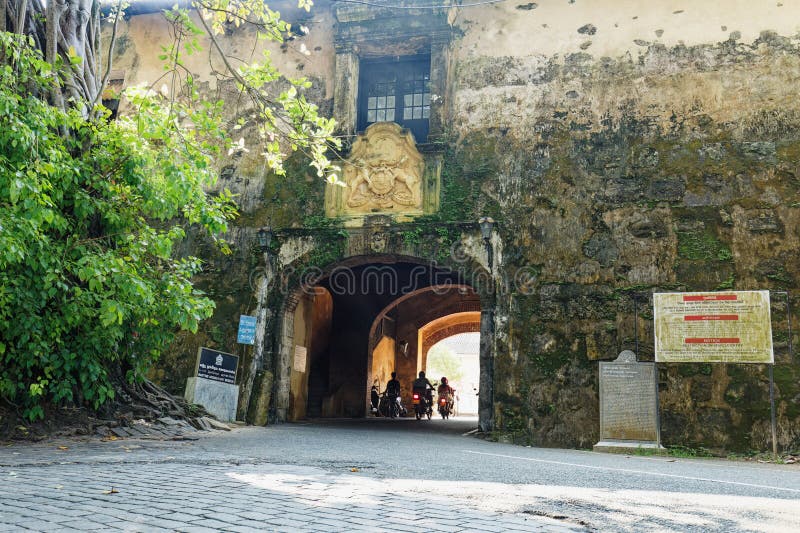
446,391
445,388
423,385
393,386
393,393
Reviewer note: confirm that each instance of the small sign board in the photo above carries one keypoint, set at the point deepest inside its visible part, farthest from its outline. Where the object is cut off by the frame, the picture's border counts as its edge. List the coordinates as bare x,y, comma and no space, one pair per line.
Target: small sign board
217,366
247,330
713,327
300,355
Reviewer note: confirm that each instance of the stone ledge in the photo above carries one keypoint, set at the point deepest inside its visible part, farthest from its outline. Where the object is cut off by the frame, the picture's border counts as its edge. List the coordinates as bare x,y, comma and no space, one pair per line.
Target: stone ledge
626,446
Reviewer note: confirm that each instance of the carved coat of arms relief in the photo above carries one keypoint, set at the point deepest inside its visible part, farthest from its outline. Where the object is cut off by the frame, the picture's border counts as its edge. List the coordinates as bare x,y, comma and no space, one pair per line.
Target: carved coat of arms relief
384,170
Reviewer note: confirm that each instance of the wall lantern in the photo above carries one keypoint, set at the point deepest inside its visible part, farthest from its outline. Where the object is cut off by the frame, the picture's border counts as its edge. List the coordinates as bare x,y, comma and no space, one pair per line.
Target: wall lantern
403,345
264,238
487,225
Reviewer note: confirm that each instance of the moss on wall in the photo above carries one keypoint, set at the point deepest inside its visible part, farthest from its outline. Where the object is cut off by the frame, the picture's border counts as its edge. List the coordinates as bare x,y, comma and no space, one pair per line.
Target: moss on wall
608,178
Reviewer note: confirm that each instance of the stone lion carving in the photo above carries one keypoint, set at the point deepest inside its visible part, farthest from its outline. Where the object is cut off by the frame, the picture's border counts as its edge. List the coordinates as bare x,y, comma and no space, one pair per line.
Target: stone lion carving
384,169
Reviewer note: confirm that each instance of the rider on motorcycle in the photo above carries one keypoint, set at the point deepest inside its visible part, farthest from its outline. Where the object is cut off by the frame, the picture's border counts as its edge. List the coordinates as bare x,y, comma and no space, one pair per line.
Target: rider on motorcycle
393,393
445,388
446,391
393,387
423,385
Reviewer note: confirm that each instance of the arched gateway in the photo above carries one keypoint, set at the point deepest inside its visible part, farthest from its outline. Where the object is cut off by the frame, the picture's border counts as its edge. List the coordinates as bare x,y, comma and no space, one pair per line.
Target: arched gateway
361,319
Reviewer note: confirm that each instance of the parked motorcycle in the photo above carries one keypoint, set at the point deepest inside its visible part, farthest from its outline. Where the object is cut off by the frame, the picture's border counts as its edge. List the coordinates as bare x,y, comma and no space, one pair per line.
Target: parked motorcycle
396,407
391,407
374,400
422,404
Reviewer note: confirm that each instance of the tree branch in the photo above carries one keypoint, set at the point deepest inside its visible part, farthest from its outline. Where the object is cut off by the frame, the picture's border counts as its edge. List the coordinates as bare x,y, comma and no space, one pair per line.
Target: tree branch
54,11
22,10
104,82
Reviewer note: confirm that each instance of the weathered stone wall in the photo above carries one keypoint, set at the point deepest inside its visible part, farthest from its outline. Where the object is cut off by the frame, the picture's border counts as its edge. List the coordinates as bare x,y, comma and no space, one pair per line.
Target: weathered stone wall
622,147
631,149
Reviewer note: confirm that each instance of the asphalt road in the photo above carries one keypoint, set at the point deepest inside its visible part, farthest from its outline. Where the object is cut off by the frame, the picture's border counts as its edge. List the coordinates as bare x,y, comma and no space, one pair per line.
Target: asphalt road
406,461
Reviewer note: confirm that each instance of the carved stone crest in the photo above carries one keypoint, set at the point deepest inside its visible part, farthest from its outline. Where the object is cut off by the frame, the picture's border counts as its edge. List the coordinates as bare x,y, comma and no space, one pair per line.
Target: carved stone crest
384,170
378,242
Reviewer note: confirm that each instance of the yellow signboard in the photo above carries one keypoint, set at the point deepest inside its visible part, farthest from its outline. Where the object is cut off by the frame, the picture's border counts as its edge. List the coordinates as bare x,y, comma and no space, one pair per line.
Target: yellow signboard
713,327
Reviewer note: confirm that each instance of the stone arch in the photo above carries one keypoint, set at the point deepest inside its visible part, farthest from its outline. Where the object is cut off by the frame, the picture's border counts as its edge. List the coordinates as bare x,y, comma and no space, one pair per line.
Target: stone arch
283,355
447,326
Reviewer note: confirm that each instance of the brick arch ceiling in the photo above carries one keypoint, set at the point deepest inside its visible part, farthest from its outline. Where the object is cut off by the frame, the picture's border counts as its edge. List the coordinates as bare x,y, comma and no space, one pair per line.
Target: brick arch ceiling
447,326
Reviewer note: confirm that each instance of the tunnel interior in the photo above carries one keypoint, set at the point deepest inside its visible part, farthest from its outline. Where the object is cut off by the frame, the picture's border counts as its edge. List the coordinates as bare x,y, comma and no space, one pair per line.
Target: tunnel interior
359,324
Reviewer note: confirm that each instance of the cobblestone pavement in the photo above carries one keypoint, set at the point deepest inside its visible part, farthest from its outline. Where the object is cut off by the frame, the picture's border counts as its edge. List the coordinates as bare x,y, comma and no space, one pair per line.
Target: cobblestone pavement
375,475
132,485
228,497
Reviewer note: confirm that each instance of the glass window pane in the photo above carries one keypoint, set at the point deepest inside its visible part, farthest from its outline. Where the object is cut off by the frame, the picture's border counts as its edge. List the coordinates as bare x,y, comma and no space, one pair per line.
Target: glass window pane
371,102
426,99
390,115
407,113
426,112
417,112
381,115
409,100
417,99
371,116
381,102
390,101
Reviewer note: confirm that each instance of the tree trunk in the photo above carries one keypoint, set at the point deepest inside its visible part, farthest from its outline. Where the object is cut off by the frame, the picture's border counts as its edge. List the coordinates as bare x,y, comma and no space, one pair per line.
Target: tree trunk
71,29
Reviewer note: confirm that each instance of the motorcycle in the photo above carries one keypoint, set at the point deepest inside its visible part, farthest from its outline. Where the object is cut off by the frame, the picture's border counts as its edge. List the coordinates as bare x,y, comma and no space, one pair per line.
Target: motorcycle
374,400
422,405
445,406
389,408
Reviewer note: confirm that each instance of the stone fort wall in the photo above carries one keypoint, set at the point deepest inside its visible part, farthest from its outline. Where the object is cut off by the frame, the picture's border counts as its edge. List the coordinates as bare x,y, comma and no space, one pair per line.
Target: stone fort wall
622,147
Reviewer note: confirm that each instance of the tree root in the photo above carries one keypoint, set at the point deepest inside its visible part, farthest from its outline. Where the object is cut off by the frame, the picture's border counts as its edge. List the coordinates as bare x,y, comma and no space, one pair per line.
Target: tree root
149,401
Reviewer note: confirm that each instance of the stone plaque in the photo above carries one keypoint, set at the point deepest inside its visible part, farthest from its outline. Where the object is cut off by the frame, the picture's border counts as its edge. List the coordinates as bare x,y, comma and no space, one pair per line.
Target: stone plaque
214,387
628,410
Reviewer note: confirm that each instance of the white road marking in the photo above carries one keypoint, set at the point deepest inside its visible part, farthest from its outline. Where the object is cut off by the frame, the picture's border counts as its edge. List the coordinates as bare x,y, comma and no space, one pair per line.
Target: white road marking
629,471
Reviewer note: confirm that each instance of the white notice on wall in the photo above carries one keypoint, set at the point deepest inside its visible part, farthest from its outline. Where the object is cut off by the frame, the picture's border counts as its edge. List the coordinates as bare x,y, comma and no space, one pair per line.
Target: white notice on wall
713,327
300,354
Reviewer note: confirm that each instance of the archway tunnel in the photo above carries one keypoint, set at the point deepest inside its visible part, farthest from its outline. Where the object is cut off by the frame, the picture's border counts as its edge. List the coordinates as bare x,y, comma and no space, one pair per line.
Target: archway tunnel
359,323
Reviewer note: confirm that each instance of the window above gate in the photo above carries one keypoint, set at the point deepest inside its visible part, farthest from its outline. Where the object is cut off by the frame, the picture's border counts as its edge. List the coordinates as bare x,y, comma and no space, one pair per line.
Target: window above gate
396,90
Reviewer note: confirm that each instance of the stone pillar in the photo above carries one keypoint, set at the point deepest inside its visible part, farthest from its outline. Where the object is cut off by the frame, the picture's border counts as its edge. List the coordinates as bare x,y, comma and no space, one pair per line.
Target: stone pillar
283,359
345,89
262,319
439,73
486,387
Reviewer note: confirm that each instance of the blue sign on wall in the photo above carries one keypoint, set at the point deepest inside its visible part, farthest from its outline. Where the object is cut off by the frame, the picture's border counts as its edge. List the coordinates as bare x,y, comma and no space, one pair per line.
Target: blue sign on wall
247,330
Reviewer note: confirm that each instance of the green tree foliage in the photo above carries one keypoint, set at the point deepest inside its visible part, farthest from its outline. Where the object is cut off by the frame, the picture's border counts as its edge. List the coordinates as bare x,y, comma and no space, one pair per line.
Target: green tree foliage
90,290
443,362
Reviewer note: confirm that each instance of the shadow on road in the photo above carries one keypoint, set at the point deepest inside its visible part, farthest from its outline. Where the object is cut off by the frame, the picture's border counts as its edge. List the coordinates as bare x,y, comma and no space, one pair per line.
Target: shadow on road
437,426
